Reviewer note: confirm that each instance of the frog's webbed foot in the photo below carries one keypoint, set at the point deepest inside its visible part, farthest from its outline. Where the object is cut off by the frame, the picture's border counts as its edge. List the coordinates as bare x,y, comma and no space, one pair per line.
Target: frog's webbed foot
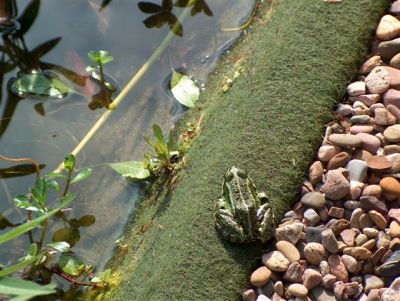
228,227
266,222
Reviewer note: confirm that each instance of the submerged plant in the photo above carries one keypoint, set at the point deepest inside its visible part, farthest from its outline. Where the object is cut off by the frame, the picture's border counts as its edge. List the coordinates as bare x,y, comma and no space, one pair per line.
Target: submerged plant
42,260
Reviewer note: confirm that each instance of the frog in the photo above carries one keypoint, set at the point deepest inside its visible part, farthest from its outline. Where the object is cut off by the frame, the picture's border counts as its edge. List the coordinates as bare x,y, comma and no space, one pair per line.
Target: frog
243,215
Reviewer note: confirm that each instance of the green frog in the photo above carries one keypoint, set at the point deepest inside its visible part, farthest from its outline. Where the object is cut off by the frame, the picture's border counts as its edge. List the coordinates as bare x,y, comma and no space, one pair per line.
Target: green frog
243,215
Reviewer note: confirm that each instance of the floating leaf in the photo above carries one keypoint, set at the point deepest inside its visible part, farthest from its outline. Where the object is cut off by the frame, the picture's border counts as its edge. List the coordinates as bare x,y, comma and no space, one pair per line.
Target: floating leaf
131,169
24,290
184,90
71,265
69,235
82,175
86,220
40,85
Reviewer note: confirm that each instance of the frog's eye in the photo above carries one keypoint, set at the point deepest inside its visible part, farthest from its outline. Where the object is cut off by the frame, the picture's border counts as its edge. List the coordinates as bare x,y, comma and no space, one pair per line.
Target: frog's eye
241,173
228,176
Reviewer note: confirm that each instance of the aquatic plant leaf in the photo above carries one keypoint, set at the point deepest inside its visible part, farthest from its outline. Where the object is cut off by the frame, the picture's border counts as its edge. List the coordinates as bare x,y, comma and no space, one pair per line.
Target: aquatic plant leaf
82,175
41,85
71,265
86,220
66,200
55,175
131,169
28,17
24,290
21,201
60,246
27,226
158,134
44,48
54,185
69,162
69,235
198,6
18,266
176,77
167,4
149,8
185,91
100,57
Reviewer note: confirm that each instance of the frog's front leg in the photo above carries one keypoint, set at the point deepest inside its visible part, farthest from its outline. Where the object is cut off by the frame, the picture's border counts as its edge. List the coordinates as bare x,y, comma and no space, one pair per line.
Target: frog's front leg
228,227
266,222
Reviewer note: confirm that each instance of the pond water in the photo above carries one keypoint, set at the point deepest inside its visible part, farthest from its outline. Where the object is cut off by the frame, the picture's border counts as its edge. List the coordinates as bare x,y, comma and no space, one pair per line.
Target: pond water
60,35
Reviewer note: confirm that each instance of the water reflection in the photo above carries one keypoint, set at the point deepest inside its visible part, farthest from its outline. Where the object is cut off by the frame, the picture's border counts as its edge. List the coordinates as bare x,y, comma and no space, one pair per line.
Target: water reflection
162,14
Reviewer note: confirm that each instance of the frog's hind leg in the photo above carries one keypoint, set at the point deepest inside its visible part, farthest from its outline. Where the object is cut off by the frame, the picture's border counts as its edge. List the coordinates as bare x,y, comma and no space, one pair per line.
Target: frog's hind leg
228,227
266,222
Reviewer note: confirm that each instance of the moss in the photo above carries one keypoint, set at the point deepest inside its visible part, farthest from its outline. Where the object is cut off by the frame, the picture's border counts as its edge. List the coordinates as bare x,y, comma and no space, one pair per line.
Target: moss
269,123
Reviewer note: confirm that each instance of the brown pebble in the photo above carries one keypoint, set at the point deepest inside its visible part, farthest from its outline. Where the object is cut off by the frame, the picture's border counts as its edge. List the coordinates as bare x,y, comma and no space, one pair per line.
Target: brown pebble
338,269
336,212
378,219
359,253
348,236
390,185
370,244
378,163
260,276
376,257
365,221
340,160
288,250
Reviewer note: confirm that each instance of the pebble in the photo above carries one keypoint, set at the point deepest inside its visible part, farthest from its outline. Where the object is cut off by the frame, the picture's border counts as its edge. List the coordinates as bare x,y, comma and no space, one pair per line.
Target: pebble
359,253
392,97
338,269
288,250
392,133
356,88
378,81
393,293
275,261
370,143
278,288
390,185
314,252
313,234
395,61
297,290
384,117
329,241
378,219
351,264
388,28
357,170
394,229
369,64
290,233
336,185
348,236
394,75
249,295
365,221
340,160
378,163
395,111
260,276
327,152
336,212
395,8
345,140
315,172
311,278
294,272
391,266
372,203
389,49
314,200
311,216
391,149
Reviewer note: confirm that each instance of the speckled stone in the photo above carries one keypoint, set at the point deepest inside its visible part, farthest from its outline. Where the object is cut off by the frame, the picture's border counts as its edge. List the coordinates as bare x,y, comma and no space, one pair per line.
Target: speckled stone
314,253
351,264
311,278
275,261
336,185
359,253
338,269
395,111
378,81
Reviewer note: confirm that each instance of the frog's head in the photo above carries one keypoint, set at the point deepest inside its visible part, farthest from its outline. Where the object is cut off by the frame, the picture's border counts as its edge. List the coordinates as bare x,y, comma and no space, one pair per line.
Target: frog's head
236,180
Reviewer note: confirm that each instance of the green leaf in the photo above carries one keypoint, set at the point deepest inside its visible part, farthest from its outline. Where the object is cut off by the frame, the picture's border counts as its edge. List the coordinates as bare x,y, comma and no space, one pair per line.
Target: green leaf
66,200
186,91
54,184
27,226
131,169
32,251
157,132
100,57
82,175
55,175
21,201
41,85
71,265
60,246
18,267
24,290
69,162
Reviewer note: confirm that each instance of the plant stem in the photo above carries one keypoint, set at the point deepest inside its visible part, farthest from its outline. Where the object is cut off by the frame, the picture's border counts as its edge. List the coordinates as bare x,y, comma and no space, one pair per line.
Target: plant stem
131,84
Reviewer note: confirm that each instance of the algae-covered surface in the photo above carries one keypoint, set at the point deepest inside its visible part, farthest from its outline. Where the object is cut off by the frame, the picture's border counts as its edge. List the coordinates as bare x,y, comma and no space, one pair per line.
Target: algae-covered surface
296,60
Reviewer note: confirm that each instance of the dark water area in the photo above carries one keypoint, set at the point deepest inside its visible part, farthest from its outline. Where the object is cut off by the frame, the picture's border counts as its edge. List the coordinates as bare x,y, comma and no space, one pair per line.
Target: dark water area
58,40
